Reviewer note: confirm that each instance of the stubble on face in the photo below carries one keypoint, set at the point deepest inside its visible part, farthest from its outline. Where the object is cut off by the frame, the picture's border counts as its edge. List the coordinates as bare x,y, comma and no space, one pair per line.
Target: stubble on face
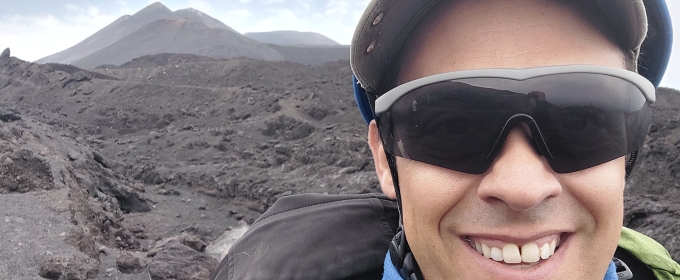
520,197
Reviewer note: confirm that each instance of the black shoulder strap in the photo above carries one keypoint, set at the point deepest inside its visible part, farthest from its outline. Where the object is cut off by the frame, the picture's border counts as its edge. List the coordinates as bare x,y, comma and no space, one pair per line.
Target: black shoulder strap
315,236
639,270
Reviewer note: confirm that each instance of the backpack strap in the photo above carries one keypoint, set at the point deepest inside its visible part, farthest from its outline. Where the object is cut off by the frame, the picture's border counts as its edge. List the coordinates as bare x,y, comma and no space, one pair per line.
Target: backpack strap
314,236
629,267
646,258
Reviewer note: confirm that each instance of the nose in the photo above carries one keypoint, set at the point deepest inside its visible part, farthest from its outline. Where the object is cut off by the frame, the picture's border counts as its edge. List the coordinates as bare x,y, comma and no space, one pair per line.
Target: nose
519,176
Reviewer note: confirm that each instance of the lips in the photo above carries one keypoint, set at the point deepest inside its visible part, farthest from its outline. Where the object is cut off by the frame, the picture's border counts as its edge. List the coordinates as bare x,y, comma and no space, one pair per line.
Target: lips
522,255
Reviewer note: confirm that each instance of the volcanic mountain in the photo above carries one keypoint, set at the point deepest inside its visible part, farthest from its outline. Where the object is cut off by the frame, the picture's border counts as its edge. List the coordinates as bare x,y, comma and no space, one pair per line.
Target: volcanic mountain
156,29
291,38
179,36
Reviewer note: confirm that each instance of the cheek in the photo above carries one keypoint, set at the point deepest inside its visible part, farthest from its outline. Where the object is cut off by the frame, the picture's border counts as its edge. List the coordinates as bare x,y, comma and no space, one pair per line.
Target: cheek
428,192
598,191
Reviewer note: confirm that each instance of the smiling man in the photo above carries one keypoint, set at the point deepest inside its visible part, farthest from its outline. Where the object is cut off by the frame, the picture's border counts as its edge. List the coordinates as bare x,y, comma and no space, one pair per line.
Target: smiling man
504,173
503,129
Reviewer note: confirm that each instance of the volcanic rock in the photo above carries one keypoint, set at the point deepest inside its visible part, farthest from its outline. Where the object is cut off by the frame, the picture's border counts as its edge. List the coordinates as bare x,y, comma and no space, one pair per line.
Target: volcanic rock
128,263
178,261
74,268
130,200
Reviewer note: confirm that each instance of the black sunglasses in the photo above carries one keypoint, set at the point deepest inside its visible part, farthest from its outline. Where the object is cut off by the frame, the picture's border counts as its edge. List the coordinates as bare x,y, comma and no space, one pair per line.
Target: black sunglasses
580,116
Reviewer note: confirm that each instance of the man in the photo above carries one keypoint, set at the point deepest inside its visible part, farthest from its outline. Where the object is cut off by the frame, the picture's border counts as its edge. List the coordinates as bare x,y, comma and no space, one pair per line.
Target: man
519,206
503,129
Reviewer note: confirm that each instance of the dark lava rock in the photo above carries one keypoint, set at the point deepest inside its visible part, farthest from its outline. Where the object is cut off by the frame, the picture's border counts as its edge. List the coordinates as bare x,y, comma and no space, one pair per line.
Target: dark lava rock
23,172
101,160
195,238
9,116
653,216
127,263
169,192
130,200
317,113
126,239
75,268
5,53
178,261
192,241
149,175
288,128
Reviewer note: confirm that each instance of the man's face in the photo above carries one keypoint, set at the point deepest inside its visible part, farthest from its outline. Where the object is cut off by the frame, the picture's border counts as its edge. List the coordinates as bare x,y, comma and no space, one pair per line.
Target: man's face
520,200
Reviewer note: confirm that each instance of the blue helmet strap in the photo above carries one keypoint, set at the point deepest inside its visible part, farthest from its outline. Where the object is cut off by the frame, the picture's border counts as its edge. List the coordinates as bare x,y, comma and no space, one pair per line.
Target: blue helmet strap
364,100
399,250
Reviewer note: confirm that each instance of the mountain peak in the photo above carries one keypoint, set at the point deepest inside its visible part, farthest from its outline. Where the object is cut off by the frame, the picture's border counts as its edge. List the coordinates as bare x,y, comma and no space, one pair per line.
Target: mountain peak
154,8
197,15
190,10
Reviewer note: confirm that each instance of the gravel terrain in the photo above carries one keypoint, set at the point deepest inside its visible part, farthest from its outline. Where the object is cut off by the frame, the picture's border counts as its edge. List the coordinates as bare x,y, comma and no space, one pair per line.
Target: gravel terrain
130,172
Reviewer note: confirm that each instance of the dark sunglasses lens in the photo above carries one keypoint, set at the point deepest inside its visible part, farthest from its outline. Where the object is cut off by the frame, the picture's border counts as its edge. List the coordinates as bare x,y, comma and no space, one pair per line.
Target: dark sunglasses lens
448,124
605,118
585,120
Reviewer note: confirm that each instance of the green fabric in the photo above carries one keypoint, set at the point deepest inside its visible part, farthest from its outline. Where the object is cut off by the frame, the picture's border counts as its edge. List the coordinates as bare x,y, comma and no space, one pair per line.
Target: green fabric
651,253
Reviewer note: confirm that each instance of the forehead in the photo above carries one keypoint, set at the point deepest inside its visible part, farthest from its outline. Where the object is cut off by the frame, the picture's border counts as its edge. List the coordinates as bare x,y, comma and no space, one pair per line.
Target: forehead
476,34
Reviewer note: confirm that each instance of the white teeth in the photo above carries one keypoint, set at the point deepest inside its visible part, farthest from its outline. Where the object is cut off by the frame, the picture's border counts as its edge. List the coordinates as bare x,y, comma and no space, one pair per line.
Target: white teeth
478,247
511,253
496,254
486,251
530,253
545,251
552,247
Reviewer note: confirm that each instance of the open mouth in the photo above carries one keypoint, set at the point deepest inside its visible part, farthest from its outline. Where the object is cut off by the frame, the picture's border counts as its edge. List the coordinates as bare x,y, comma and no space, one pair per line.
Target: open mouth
521,256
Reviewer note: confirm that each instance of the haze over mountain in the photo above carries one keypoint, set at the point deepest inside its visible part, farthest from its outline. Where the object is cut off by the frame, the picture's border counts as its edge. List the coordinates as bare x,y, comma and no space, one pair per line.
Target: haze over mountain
179,36
290,37
156,29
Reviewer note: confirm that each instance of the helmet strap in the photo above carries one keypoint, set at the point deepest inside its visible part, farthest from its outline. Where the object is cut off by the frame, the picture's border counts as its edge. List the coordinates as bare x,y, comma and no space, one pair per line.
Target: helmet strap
400,252
631,159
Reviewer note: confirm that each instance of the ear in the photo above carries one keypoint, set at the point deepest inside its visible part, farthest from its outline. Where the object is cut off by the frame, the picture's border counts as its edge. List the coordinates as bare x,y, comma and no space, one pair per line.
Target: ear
382,168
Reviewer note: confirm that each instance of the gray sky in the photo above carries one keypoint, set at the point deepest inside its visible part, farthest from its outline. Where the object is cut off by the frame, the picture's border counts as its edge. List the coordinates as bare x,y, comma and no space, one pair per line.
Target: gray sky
37,28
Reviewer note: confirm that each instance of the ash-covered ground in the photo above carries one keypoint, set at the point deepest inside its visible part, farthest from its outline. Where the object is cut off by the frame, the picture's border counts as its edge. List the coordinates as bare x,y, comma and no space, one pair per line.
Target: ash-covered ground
130,172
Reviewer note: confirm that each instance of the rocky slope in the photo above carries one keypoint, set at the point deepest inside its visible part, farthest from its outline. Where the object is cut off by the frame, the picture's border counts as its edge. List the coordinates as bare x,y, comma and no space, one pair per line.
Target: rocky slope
290,37
130,172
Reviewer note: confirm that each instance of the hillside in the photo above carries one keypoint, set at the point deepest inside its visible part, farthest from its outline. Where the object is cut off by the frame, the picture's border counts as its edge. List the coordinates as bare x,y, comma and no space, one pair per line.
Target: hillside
291,38
178,36
312,55
113,32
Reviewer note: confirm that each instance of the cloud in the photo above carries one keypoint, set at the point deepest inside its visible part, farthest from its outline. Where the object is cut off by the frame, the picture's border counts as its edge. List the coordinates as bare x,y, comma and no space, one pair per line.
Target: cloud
335,19
71,7
235,18
336,8
283,19
36,36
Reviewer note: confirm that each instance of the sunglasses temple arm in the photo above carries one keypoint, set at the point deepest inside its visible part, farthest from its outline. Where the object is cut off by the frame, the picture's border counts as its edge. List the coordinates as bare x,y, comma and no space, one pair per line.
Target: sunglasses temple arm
392,163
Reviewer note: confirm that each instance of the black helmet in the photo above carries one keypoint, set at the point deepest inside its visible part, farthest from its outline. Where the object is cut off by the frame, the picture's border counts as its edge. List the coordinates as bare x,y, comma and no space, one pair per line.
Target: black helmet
643,26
